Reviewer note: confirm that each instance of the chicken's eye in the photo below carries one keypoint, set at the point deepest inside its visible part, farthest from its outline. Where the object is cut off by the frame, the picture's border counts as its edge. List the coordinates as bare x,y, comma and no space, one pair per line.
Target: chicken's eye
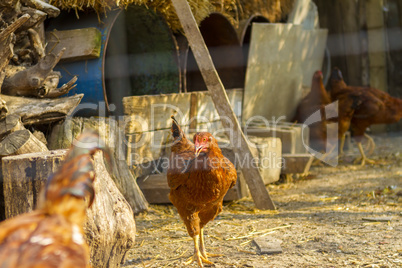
204,139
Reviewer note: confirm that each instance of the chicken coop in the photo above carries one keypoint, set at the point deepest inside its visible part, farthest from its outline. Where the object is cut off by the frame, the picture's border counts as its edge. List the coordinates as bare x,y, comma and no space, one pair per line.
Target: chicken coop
306,90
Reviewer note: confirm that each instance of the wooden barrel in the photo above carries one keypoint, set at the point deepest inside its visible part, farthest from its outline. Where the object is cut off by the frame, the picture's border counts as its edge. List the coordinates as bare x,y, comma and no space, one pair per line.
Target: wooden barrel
138,57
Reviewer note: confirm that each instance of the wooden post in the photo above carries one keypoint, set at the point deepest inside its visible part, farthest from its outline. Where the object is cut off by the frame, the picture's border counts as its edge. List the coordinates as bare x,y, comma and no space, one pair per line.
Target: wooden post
251,173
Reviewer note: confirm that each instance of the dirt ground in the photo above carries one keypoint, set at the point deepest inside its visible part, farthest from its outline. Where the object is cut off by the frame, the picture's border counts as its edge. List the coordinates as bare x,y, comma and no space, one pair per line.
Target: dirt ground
320,221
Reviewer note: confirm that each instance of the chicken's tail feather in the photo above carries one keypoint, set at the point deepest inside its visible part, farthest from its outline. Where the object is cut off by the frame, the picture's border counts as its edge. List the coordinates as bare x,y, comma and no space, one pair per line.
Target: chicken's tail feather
336,74
176,130
76,175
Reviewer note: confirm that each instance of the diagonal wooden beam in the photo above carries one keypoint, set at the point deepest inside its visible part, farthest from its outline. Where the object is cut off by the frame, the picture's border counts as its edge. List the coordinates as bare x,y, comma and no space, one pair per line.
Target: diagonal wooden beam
251,173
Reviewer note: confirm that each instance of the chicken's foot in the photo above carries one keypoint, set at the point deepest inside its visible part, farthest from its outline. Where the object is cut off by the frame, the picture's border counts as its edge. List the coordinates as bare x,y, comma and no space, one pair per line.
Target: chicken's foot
198,256
363,159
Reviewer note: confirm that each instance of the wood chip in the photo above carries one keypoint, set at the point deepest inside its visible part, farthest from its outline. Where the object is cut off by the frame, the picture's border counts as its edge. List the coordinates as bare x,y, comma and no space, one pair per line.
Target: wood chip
268,245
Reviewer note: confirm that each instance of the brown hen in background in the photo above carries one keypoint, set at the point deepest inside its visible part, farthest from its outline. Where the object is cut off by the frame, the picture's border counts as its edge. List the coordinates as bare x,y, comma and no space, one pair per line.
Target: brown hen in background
199,177
52,235
314,101
362,107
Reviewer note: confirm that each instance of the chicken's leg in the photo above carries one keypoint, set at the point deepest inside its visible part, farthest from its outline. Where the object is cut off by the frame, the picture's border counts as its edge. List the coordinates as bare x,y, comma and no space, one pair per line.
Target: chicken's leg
371,144
197,254
202,247
342,145
364,159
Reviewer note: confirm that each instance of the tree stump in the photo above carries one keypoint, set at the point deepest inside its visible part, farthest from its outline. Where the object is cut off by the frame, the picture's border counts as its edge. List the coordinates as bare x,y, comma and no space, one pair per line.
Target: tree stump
10,124
112,132
110,227
24,176
21,142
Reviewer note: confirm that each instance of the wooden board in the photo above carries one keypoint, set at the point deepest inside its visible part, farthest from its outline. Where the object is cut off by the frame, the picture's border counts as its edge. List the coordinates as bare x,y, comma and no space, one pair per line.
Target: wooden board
268,154
311,50
293,140
156,189
274,74
80,44
152,112
297,163
304,12
282,58
148,121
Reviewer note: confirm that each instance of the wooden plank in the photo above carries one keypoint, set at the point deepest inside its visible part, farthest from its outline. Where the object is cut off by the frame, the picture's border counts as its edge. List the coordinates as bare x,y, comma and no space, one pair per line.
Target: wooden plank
152,112
156,190
268,153
147,146
80,44
215,87
274,73
311,50
296,163
293,140
377,48
304,12
193,111
206,107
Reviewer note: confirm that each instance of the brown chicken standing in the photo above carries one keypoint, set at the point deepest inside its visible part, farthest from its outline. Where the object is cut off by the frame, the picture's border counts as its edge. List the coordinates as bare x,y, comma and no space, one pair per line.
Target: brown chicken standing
314,101
361,107
52,235
199,177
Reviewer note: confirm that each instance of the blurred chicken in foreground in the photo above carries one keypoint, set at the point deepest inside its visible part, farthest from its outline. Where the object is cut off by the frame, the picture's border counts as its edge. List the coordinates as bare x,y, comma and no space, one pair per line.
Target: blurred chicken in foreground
361,107
52,235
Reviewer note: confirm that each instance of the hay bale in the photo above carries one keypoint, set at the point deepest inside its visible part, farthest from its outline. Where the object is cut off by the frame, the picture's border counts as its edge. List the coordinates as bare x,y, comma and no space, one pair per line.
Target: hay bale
200,8
234,10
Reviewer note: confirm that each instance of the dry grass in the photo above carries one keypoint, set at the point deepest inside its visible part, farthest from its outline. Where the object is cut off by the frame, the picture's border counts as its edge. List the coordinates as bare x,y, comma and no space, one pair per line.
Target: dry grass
234,10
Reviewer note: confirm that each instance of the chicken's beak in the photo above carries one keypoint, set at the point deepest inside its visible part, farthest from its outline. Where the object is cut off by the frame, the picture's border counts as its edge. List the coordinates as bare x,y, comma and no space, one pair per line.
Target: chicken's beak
198,150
